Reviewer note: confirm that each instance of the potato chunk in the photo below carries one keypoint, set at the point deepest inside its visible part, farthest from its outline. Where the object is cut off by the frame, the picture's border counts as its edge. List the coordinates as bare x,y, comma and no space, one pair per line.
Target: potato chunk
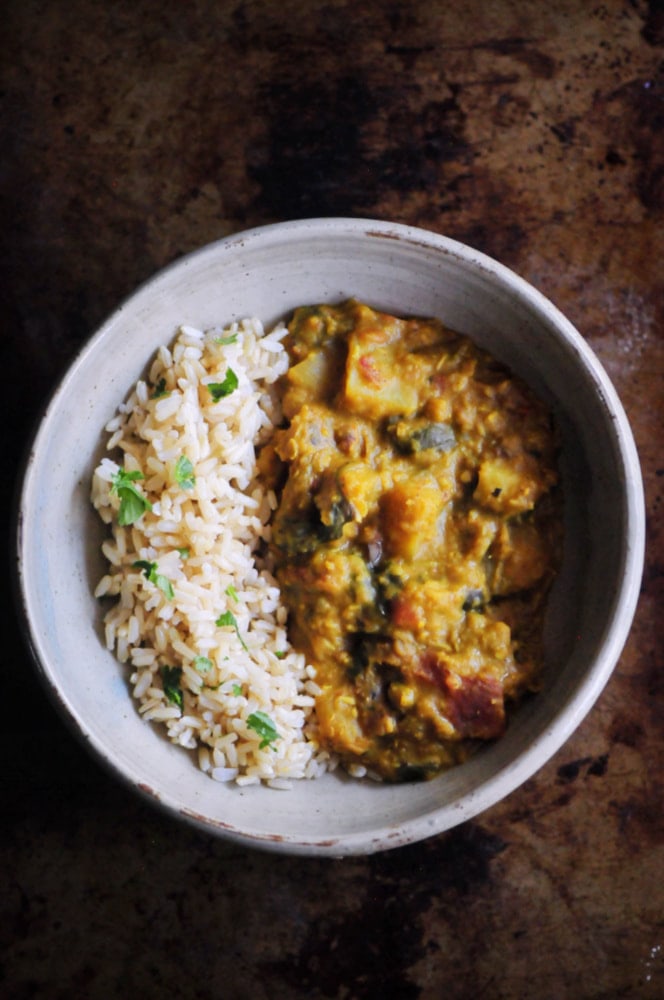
505,487
411,512
375,385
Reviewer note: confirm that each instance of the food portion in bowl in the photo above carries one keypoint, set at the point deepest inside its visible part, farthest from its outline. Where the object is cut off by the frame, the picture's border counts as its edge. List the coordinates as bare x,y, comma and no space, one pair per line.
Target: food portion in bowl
416,537
332,541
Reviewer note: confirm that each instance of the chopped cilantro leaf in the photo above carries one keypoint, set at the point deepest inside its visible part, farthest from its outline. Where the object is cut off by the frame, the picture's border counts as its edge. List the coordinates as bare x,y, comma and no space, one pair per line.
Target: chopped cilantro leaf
132,507
132,501
264,726
150,571
224,341
170,679
122,477
228,618
164,585
203,664
184,552
160,389
220,389
184,473
281,654
237,690
231,592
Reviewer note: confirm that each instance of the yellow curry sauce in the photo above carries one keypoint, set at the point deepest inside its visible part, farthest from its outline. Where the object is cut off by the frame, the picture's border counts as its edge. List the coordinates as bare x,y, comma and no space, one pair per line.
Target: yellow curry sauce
416,536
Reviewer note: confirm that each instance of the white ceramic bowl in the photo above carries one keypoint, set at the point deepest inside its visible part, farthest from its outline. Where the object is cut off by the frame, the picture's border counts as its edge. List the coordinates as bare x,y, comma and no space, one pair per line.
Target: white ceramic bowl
266,272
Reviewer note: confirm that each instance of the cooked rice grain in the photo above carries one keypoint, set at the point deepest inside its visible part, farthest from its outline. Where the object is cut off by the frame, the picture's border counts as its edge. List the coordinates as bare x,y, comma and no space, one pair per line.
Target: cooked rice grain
201,541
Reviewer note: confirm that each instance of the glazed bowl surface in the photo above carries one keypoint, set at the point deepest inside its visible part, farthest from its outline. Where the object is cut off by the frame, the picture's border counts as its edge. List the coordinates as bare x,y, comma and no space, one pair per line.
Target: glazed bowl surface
267,272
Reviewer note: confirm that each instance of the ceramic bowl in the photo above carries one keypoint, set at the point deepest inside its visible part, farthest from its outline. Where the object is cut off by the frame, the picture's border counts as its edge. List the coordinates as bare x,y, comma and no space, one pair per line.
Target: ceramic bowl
266,272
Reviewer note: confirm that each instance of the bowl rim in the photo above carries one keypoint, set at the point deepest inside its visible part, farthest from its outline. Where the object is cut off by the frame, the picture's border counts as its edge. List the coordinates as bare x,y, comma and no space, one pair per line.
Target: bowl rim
547,743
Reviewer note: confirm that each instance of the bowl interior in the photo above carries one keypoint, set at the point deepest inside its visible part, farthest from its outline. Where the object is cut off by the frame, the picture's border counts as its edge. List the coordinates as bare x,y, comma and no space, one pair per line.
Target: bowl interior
266,273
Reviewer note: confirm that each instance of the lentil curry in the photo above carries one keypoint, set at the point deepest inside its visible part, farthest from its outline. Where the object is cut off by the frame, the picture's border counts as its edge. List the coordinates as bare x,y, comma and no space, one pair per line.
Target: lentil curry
416,535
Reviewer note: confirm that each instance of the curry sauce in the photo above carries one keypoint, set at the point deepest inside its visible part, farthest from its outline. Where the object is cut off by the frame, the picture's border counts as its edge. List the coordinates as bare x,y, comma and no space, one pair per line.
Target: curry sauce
416,536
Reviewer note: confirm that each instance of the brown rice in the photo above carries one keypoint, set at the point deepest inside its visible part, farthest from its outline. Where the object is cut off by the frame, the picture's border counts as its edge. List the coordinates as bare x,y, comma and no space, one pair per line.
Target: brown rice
190,562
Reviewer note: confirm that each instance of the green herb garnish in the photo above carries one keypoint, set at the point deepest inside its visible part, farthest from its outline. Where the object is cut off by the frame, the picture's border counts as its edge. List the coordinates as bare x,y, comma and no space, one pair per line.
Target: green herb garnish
184,553
231,592
220,389
224,341
160,389
170,679
228,618
132,502
281,654
264,726
151,572
184,473
237,690
203,664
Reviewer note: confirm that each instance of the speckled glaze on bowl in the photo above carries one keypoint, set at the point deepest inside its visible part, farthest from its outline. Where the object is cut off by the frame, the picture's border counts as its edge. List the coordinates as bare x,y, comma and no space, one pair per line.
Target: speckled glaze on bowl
266,272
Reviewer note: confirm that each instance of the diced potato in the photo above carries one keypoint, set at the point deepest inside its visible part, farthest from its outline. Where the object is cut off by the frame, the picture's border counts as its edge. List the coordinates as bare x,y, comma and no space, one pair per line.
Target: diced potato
313,379
505,488
410,511
375,385
336,709
361,486
521,559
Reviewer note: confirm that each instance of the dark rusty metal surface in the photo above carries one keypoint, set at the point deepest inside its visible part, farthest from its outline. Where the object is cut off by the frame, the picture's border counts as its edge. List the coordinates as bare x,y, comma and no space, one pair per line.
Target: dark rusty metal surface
136,131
